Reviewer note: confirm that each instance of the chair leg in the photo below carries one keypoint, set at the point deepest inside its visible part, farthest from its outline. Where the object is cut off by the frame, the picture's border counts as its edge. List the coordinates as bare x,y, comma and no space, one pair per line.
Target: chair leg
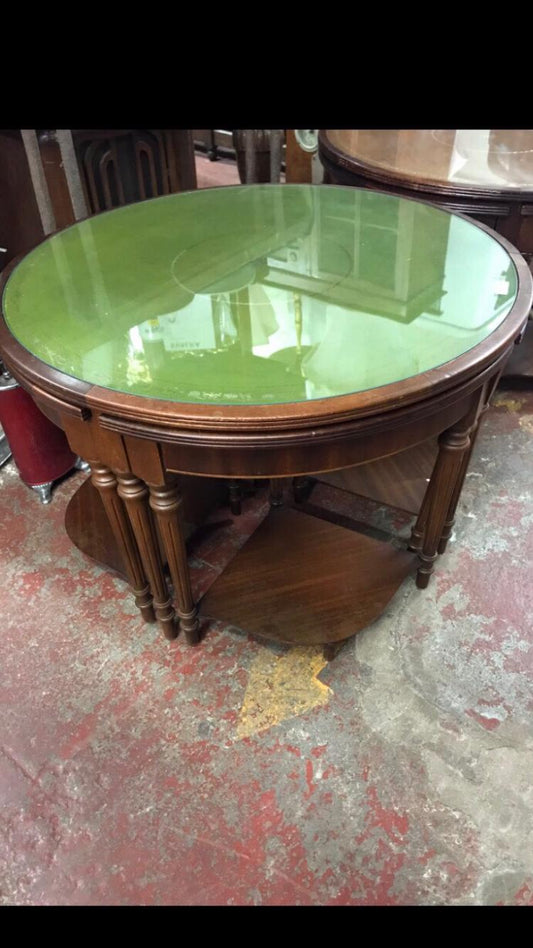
44,491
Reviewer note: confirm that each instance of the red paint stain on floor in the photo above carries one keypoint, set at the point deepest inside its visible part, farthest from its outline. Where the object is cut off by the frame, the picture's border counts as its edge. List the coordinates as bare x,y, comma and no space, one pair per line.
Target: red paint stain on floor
524,896
319,751
393,823
490,724
311,787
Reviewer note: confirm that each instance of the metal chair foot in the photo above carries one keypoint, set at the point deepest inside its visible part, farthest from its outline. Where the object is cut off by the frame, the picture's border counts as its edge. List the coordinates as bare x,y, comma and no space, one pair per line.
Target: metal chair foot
82,465
44,491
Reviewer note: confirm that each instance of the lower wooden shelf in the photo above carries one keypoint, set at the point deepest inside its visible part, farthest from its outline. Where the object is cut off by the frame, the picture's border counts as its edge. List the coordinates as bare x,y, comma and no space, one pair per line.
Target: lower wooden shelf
87,525
301,580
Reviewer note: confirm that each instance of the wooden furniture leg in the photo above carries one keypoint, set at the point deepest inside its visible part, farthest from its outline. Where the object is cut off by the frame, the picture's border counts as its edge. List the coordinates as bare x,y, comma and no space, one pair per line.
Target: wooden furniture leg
106,484
331,649
276,486
450,517
301,488
134,493
166,503
235,497
417,533
454,444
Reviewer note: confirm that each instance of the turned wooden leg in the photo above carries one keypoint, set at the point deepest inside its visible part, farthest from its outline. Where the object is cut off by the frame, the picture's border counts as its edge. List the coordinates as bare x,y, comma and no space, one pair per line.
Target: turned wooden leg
331,649
301,488
417,533
166,503
235,497
276,491
453,445
106,484
134,493
450,517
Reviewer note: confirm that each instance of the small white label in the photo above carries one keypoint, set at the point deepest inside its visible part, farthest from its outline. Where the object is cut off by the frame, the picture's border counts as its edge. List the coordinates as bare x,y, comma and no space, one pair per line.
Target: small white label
501,287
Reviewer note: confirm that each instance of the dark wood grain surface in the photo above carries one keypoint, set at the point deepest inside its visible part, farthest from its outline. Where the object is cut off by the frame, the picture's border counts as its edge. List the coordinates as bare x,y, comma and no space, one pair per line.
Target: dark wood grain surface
304,581
398,481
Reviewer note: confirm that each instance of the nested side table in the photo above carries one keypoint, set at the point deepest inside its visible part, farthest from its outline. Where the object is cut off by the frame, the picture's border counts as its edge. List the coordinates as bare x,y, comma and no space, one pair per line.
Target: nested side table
266,332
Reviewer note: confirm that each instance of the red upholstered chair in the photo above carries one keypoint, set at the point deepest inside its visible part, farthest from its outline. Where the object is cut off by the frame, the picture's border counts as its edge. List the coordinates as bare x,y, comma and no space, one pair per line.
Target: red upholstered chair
39,448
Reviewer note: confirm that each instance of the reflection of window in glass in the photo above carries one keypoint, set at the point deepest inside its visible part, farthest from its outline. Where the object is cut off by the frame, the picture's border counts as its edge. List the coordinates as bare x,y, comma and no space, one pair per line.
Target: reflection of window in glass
393,269
334,232
371,268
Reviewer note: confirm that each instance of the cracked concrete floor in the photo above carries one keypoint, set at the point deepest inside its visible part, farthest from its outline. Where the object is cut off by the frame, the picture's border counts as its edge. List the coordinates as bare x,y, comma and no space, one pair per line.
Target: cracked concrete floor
138,772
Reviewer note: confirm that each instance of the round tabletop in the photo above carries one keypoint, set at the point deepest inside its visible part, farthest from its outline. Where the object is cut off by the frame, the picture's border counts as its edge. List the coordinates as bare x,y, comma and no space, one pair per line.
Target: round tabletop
258,296
469,161
265,332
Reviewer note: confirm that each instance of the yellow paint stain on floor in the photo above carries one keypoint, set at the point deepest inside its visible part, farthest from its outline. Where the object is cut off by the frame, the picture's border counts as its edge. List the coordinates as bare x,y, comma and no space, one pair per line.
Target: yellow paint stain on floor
526,422
512,404
281,687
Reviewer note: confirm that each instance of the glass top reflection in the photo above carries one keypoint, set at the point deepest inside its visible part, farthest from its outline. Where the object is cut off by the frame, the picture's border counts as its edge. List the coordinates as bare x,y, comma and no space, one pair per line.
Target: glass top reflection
259,294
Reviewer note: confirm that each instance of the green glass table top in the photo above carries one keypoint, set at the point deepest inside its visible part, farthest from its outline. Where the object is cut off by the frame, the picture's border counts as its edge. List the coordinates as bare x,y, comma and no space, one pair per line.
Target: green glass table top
259,294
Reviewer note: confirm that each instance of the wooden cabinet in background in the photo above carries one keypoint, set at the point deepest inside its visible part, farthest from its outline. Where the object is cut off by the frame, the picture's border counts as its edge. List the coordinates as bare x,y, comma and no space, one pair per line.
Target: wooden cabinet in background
117,166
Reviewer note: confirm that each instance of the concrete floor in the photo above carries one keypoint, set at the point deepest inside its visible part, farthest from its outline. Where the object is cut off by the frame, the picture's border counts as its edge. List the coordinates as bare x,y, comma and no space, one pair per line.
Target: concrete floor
134,771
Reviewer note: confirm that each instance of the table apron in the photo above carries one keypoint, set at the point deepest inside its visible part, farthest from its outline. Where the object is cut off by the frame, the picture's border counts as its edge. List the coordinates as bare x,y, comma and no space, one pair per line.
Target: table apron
309,457
150,451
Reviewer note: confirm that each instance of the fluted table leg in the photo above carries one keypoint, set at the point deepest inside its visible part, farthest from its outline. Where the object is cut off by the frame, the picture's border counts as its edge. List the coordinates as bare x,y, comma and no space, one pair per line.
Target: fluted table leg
106,484
450,517
134,493
417,533
166,502
453,446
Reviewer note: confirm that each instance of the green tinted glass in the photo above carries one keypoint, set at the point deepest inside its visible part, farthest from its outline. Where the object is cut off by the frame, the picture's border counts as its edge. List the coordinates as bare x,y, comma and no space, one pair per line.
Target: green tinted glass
259,294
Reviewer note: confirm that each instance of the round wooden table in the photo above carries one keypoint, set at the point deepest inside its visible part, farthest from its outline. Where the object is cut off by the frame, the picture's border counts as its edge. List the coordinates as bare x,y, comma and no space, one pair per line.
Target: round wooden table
487,174
266,332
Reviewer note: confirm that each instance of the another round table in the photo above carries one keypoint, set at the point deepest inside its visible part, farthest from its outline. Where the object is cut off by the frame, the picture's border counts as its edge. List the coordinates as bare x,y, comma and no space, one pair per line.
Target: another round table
266,332
487,174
